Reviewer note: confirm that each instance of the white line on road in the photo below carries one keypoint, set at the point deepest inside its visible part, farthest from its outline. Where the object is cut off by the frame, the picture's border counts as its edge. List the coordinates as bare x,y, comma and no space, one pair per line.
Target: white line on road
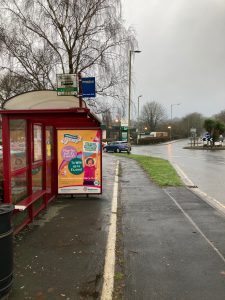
184,177
196,227
109,268
210,200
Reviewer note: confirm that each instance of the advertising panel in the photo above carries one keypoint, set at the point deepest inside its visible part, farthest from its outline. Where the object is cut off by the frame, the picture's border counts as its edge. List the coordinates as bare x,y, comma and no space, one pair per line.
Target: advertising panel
79,161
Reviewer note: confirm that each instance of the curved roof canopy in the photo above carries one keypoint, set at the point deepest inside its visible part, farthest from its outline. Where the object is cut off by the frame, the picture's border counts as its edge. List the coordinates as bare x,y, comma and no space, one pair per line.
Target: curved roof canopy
42,100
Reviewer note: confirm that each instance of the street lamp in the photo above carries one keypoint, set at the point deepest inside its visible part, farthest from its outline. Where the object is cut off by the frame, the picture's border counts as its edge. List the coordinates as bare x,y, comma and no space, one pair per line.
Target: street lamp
169,127
138,127
129,93
171,117
171,110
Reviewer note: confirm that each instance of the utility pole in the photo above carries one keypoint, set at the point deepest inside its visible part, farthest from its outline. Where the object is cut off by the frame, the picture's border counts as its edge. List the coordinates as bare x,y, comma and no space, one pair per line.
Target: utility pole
129,95
138,127
171,118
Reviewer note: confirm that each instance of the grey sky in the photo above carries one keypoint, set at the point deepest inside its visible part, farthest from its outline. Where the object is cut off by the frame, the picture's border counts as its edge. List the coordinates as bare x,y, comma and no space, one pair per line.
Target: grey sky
183,53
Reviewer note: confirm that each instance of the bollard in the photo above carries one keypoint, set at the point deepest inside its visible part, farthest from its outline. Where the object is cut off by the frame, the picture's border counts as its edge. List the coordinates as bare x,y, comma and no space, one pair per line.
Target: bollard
6,248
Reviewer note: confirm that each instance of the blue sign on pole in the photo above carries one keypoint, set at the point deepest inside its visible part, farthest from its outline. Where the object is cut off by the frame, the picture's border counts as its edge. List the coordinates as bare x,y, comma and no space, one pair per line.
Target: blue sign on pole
88,87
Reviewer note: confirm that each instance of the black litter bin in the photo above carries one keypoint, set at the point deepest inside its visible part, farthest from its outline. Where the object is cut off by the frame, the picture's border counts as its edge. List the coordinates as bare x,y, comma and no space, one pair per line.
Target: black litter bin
6,248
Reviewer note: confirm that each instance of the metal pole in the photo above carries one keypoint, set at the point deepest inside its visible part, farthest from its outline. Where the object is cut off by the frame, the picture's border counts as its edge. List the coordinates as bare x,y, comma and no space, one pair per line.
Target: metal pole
129,98
138,127
169,127
171,117
129,95
80,89
138,122
171,120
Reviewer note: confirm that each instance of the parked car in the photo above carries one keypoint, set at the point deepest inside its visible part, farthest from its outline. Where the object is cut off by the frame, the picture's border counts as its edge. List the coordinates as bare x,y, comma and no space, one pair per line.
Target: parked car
117,146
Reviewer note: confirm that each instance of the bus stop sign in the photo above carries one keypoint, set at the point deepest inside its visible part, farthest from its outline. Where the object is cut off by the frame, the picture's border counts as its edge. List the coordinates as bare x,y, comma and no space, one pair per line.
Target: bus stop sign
88,87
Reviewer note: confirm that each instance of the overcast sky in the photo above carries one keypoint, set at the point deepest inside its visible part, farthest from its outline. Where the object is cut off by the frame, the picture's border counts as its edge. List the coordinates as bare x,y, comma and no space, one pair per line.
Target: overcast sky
183,54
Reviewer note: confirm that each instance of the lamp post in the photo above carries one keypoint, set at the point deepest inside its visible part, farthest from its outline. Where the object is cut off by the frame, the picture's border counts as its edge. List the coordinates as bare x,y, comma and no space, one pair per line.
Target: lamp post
169,127
171,117
138,127
129,93
118,129
171,110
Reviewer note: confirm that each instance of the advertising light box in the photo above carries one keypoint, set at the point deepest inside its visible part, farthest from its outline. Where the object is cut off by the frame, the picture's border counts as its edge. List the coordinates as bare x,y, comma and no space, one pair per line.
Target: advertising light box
79,162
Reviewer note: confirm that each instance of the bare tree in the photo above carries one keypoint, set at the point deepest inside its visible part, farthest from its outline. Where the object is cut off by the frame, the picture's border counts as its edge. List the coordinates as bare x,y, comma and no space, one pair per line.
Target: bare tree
45,37
193,120
152,114
107,118
11,84
220,116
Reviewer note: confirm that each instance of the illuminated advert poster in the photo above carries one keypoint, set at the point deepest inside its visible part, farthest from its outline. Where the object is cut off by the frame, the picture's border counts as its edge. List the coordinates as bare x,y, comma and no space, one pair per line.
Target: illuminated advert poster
79,162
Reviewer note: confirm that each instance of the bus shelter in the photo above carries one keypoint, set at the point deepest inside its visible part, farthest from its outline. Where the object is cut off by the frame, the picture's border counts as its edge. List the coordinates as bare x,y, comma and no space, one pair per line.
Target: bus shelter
51,145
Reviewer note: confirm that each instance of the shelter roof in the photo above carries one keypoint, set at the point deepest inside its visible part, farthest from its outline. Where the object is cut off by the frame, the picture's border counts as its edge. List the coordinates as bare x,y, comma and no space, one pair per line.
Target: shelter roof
46,99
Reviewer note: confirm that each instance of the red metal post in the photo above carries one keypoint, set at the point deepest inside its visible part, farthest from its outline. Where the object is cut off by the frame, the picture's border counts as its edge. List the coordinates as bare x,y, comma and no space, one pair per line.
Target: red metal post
30,156
7,195
44,162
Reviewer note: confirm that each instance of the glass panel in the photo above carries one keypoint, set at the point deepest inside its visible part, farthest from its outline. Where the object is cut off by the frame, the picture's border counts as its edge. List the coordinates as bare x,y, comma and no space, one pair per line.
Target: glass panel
38,203
37,179
18,144
18,219
49,176
49,142
19,187
37,142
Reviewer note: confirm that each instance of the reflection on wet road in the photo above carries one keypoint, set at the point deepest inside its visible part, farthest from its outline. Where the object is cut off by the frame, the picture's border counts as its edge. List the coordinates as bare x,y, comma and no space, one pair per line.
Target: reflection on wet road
205,168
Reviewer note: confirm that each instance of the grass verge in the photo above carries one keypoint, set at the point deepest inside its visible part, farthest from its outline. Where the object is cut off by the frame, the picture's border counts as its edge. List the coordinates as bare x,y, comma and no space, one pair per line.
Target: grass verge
159,170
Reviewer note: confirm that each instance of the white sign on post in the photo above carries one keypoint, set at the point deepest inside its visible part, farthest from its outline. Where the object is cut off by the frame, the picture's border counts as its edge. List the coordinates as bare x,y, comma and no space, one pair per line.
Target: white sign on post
67,85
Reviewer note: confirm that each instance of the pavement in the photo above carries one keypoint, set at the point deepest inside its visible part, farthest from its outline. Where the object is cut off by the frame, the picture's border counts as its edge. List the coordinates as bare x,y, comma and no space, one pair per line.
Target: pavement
171,244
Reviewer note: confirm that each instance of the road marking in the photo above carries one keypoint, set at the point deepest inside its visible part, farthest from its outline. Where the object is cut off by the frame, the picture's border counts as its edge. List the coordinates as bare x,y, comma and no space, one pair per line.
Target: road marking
210,200
109,268
196,226
184,177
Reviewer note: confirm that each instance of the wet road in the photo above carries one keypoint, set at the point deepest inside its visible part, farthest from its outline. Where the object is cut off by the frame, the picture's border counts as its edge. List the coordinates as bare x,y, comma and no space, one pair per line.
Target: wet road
206,169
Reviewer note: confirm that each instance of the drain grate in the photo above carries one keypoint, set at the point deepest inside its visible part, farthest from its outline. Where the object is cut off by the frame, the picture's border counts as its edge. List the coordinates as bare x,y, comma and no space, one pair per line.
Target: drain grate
192,186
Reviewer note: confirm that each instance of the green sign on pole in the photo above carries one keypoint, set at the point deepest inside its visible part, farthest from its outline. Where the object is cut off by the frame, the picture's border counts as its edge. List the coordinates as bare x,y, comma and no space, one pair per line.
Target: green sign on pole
67,85
124,135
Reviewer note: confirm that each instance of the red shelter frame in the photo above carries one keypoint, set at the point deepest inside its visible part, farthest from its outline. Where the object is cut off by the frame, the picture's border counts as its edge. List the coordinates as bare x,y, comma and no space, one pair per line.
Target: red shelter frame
44,124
